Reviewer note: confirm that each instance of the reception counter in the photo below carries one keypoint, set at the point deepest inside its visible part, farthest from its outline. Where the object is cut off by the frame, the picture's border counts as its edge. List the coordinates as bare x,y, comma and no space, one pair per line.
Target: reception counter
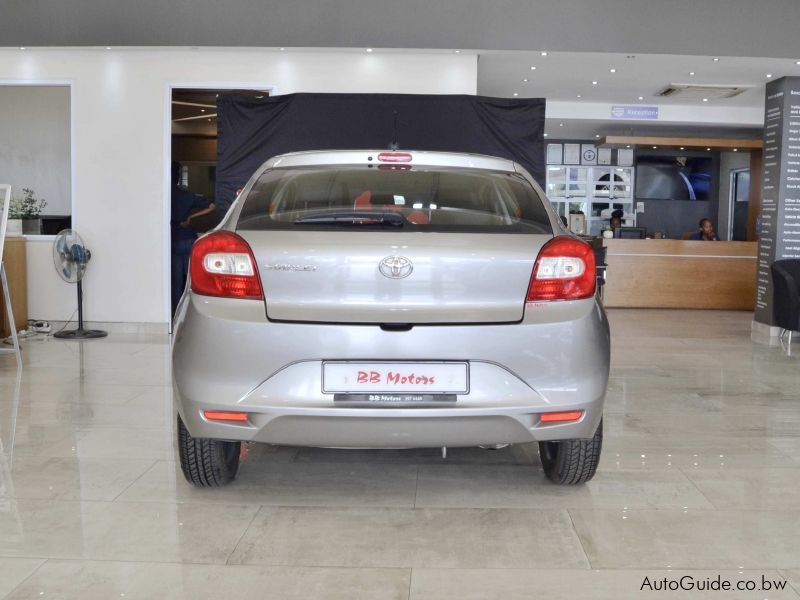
680,274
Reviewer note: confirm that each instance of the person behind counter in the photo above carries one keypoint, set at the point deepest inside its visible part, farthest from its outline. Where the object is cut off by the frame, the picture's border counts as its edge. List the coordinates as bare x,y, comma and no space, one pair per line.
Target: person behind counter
706,232
616,219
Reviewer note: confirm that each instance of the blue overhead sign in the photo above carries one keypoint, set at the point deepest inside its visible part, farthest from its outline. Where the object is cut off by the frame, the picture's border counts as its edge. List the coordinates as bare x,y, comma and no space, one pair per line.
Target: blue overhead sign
641,113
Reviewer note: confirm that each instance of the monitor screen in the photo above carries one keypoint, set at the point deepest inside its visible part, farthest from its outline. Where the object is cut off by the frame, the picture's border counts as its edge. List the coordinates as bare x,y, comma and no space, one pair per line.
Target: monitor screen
673,178
630,233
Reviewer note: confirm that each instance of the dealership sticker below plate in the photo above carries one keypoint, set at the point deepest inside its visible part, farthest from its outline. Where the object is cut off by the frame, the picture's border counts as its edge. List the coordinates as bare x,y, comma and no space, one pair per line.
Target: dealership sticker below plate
419,378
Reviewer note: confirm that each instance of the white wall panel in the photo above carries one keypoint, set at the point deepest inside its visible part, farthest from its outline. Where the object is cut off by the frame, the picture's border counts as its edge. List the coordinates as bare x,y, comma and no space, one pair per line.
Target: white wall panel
119,111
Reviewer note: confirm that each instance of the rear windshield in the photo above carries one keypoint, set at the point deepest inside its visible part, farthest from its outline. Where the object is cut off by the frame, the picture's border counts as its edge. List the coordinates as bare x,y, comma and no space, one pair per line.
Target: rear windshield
376,198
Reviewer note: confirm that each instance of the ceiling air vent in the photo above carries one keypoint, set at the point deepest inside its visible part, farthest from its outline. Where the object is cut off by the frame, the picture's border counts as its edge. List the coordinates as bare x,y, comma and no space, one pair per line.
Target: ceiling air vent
691,91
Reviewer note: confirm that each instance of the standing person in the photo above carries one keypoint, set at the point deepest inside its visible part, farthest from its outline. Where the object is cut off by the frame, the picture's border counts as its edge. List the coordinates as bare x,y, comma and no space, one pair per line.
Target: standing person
706,232
185,205
616,219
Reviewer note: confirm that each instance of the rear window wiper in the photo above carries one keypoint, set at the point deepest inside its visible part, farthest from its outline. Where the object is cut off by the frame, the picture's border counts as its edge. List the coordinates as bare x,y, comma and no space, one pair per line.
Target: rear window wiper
350,217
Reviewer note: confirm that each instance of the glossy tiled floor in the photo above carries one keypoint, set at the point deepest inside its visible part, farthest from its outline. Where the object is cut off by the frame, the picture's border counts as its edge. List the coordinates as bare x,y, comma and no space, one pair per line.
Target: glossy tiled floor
700,476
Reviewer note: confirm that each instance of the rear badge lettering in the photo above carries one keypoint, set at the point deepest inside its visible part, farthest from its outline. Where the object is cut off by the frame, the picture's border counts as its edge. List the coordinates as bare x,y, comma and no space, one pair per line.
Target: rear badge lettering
286,267
395,378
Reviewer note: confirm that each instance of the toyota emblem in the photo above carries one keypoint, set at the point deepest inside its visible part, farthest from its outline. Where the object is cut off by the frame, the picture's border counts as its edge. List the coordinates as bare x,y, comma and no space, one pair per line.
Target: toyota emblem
396,267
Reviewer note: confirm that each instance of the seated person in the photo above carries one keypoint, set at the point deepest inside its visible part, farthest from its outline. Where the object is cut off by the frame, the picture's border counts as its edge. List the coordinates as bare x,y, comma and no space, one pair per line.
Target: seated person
706,232
616,219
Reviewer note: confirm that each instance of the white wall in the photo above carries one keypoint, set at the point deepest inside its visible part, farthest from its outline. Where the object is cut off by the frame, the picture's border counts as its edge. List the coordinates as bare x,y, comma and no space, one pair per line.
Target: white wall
119,110
34,143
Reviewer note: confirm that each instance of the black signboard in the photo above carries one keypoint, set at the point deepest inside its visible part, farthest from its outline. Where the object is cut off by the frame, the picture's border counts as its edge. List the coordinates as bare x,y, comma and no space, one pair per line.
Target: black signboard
780,197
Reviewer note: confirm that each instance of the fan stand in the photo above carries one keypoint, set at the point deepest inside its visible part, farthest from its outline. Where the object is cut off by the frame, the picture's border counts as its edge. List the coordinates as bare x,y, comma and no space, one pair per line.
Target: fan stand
80,333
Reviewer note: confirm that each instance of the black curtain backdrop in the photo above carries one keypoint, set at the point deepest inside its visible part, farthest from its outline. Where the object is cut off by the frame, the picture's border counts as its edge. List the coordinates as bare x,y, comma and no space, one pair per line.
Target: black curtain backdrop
252,130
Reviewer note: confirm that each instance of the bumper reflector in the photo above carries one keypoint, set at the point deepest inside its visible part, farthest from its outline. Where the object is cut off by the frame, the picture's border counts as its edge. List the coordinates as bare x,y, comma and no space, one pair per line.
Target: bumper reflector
215,415
561,417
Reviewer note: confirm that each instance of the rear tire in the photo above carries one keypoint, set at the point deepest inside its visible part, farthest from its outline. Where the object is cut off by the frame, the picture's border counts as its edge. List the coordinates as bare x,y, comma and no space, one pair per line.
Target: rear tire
572,462
206,462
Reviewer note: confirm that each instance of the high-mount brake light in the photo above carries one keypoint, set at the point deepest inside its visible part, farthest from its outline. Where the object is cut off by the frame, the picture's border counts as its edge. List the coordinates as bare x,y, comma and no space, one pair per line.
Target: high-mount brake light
222,264
564,270
394,157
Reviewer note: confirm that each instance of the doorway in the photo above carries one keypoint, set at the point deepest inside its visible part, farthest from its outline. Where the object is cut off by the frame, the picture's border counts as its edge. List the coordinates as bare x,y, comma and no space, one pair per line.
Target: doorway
739,204
191,146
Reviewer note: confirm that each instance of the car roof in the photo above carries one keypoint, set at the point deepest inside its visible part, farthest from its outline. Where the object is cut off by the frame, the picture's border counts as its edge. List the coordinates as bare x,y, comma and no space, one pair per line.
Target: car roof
390,157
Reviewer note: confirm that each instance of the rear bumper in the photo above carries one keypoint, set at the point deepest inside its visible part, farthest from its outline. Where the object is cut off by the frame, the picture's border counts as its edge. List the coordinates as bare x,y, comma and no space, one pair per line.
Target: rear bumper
226,358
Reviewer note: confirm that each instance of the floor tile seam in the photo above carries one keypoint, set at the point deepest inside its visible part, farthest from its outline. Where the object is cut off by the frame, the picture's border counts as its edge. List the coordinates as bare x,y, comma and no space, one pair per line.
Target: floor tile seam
31,574
794,587
710,511
257,565
578,537
146,503
175,563
410,579
416,489
132,483
780,451
63,558
244,533
696,487
147,388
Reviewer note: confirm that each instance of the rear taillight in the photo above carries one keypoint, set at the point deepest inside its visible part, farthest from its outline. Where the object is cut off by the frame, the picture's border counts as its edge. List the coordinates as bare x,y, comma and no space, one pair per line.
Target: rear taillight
564,270
222,264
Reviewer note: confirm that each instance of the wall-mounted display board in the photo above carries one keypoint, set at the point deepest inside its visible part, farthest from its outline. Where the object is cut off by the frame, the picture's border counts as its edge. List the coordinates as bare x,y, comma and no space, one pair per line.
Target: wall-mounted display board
555,154
780,199
572,154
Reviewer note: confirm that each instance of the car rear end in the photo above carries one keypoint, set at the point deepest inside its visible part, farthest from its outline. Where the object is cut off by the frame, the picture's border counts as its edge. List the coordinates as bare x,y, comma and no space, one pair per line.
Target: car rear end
386,300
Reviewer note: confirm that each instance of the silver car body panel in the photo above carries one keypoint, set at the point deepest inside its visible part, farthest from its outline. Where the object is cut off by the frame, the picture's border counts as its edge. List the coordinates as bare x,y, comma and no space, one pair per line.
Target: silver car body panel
465,278
465,303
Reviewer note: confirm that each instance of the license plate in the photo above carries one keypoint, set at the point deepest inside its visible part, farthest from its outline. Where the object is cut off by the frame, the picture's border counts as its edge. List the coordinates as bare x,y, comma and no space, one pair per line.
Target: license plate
415,378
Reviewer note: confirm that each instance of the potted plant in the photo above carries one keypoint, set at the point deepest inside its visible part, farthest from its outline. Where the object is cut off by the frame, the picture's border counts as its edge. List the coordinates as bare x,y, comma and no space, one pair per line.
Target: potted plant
24,213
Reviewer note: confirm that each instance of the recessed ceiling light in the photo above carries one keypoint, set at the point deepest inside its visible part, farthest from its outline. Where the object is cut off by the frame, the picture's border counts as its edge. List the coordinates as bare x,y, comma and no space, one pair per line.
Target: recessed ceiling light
516,93
716,60
458,51
655,147
705,99
22,47
283,49
369,49
612,70
544,53
708,149
628,146
209,120
546,134
533,68
597,135
682,148
560,124
524,81
797,62
691,73
641,97
202,110
735,149
769,75
108,47
594,83
579,96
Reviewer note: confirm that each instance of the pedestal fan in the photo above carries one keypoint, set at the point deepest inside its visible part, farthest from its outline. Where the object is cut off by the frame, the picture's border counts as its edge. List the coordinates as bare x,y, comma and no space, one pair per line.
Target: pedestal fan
70,257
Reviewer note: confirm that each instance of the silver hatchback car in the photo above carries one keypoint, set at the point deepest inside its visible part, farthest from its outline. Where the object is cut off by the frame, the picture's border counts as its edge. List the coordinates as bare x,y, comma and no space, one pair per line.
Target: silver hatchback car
388,299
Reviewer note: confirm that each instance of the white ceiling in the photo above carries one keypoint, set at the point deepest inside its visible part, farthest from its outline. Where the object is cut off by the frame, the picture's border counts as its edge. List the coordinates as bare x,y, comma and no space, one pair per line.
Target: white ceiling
563,76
